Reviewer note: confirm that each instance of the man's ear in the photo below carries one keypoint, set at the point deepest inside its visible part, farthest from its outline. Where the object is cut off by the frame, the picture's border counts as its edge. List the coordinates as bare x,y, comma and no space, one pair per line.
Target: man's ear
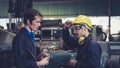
28,21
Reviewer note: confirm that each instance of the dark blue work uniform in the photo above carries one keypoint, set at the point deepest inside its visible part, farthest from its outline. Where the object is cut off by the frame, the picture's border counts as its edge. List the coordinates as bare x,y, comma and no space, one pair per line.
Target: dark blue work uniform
24,50
88,54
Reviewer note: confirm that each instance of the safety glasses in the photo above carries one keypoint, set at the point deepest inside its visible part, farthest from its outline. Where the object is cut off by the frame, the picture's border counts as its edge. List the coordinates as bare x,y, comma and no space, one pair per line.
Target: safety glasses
76,27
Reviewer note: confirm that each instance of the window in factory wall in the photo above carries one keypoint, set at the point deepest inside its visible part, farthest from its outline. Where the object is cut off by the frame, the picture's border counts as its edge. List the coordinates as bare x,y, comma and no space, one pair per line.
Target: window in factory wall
115,21
3,23
100,28
115,29
102,21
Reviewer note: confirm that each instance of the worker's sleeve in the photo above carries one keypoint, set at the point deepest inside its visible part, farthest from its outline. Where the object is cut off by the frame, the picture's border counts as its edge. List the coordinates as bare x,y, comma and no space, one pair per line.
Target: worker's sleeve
71,41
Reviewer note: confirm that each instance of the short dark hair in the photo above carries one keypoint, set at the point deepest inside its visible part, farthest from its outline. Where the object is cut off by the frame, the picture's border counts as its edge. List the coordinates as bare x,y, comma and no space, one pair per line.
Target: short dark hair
30,14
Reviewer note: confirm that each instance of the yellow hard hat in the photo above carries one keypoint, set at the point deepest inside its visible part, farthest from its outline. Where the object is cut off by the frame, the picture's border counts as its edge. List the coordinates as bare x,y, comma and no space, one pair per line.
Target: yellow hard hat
82,19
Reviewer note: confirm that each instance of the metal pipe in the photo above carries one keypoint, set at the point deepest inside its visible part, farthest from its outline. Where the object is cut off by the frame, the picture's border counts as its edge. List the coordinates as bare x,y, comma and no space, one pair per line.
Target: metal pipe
10,21
109,18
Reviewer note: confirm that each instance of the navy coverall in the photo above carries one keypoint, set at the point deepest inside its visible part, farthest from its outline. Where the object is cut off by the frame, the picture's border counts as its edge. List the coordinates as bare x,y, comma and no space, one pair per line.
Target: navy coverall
88,54
24,50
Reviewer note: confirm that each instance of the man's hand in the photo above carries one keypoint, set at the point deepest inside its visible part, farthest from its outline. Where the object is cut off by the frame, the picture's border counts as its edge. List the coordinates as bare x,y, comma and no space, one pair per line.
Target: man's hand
72,62
44,55
67,24
43,62
43,59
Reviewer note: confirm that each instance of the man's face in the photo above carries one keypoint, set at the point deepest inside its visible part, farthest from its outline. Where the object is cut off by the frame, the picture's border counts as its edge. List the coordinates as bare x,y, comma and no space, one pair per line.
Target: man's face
35,23
78,30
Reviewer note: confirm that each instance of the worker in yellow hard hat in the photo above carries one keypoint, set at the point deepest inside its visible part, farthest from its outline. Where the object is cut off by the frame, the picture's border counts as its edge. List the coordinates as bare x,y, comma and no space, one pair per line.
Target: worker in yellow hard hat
88,49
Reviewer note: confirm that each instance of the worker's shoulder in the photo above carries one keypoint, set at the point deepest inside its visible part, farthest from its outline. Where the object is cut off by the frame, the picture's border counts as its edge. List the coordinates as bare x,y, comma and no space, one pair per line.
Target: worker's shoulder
94,43
20,35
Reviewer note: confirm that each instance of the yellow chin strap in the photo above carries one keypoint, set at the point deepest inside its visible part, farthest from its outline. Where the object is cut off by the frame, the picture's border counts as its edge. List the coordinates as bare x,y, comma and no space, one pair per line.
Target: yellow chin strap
81,40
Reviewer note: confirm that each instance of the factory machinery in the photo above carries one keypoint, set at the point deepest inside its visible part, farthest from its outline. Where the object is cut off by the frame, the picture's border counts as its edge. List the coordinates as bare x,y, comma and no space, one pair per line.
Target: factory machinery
49,38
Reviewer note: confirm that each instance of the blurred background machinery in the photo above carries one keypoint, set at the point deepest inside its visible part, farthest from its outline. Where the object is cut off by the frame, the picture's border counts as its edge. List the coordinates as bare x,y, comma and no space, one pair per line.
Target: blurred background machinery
6,58
49,35
98,33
